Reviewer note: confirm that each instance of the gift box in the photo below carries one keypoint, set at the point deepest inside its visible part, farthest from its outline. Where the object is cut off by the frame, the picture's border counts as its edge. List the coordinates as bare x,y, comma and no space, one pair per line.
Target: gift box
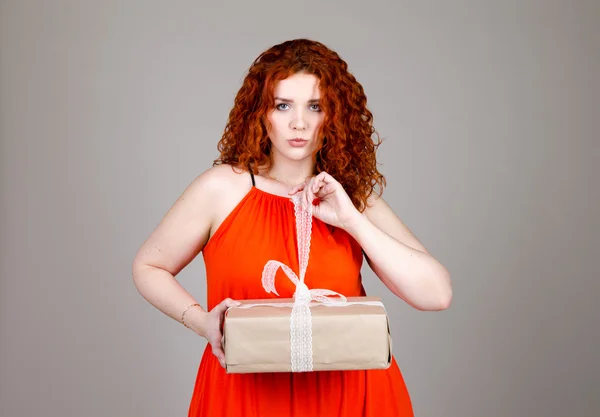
350,336
316,330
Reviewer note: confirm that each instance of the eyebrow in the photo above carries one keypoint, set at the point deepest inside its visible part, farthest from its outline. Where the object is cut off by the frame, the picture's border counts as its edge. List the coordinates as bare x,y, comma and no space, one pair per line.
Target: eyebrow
287,100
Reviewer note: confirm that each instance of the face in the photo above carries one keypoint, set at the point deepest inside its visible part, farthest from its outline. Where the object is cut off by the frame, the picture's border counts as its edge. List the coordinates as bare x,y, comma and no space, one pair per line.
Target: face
296,117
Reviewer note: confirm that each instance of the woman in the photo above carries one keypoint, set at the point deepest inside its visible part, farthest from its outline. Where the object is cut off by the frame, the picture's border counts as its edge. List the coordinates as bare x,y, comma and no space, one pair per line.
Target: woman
299,126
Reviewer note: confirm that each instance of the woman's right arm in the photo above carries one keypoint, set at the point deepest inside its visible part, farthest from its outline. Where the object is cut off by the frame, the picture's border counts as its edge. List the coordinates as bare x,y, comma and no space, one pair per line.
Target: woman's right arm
175,242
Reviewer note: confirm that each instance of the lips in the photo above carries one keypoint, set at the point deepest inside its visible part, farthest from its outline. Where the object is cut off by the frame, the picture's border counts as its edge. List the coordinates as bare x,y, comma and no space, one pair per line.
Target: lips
298,142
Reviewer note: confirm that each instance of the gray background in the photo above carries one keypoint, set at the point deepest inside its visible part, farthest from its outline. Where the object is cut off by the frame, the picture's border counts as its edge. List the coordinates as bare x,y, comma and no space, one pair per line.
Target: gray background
489,111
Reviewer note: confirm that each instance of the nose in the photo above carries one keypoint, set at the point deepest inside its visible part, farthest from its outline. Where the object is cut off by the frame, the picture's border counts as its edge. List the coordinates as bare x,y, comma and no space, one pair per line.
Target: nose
298,122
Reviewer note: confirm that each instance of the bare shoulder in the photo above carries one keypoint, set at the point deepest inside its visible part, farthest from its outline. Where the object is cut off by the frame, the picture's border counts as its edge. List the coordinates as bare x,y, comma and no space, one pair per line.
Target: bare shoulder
186,227
229,185
380,213
224,177
207,191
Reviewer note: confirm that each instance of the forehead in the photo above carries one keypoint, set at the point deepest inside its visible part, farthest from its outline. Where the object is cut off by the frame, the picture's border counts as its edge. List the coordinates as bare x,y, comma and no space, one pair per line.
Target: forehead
298,87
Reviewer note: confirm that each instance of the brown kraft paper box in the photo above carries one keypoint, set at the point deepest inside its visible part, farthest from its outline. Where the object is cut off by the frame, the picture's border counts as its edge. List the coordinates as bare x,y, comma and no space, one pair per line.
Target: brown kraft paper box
348,337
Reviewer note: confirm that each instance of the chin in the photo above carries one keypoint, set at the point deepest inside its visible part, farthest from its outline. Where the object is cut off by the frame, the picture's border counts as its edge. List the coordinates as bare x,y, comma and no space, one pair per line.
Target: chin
298,156
295,154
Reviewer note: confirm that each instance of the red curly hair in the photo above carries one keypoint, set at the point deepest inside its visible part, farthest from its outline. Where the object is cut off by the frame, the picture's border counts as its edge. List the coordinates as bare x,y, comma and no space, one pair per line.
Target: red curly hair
346,150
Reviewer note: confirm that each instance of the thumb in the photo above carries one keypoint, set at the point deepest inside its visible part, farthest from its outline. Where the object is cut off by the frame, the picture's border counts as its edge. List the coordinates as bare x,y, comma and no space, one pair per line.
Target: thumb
225,304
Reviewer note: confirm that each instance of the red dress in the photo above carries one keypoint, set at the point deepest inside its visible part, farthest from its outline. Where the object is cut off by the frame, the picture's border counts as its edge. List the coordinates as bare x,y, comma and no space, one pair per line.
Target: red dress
260,228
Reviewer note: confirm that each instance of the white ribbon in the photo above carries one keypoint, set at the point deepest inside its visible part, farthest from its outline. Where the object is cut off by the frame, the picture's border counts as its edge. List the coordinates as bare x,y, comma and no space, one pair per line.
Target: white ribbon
301,319
302,295
313,304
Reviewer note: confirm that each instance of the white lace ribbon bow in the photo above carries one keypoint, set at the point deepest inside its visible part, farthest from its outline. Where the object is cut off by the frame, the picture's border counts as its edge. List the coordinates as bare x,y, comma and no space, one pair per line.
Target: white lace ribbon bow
301,321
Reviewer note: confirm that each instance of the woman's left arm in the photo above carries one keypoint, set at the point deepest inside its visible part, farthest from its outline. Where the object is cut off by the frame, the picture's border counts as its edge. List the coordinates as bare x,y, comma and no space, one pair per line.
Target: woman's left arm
399,259
392,251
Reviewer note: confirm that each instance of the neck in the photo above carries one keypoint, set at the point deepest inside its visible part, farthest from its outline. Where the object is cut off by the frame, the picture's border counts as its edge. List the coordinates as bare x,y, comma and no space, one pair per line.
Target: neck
290,172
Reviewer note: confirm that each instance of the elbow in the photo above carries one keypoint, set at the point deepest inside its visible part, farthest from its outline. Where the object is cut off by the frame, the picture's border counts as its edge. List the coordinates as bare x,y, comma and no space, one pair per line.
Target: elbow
438,303
445,300
137,269
432,293
441,297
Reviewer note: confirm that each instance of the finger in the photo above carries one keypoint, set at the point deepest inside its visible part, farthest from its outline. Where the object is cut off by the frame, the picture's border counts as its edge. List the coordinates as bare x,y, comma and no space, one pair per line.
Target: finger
300,186
308,194
328,179
326,189
319,185
225,304
316,194
328,185
316,186
317,190
231,303
217,350
319,181
297,188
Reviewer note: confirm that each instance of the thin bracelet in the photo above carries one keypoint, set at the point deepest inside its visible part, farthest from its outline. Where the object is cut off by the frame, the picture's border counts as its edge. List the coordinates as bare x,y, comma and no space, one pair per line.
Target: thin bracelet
184,311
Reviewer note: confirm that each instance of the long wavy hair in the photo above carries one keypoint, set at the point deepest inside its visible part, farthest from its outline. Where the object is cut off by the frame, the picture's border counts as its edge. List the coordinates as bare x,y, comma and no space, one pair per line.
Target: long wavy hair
348,140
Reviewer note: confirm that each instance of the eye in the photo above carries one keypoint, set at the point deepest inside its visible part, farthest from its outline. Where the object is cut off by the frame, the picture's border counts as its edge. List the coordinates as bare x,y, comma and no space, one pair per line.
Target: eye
315,107
278,107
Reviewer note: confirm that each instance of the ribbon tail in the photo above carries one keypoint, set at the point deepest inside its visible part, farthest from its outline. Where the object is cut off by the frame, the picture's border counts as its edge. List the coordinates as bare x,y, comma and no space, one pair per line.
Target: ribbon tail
269,272
325,296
